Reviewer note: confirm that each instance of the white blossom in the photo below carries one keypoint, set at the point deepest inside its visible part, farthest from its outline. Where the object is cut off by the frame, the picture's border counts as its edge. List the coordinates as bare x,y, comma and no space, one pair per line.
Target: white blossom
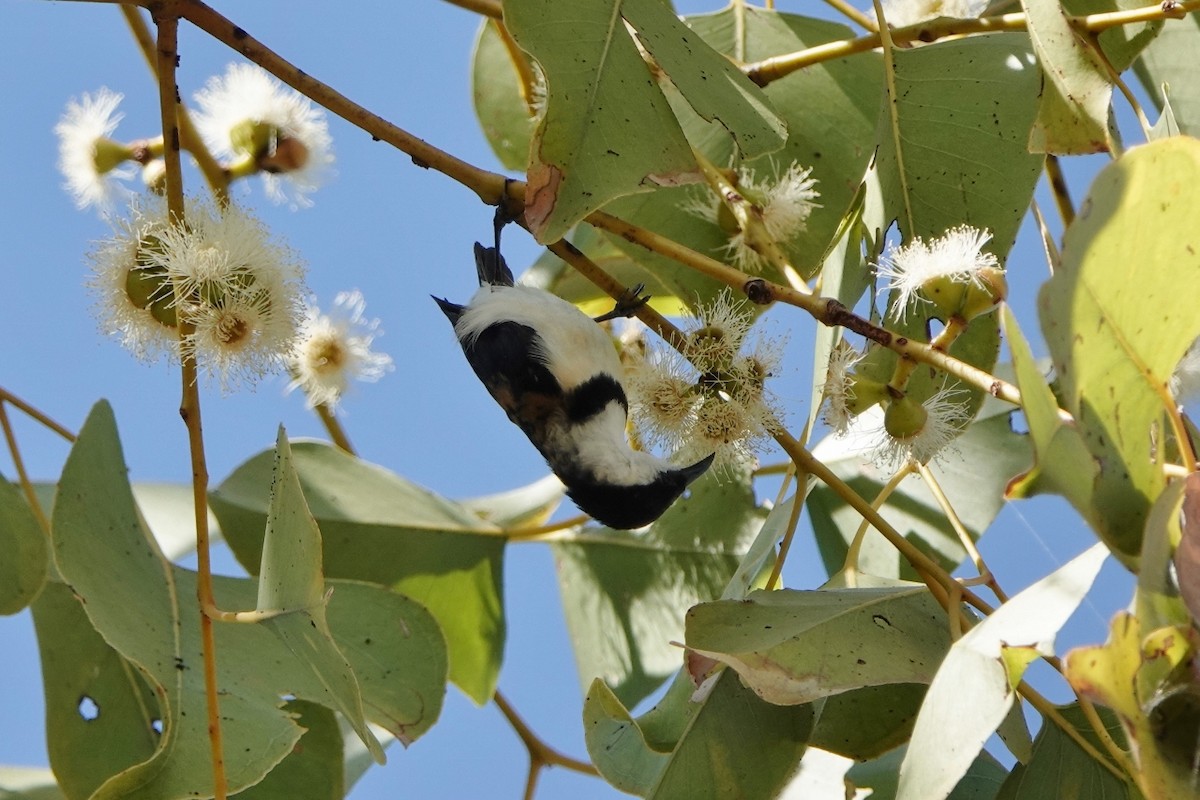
335,349
87,157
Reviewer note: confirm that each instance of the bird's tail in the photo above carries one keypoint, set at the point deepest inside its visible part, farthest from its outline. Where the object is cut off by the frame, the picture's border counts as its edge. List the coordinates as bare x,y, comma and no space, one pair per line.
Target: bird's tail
490,266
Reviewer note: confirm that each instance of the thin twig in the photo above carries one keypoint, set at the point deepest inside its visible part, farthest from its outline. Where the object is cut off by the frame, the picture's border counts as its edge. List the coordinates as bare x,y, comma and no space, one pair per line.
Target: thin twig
1123,769
865,20
26,485
40,417
334,427
488,8
544,531
540,753
964,536
850,565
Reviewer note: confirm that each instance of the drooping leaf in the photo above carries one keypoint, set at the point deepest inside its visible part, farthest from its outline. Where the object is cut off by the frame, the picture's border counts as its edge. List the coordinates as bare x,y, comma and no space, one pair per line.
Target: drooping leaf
145,609
946,741
836,143
1111,356
1073,116
23,554
715,89
794,647
864,723
973,474
962,119
525,506
314,768
625,593
608,131
504,113
1187,554
100,711
1060,765
729,744
1169,61
377,527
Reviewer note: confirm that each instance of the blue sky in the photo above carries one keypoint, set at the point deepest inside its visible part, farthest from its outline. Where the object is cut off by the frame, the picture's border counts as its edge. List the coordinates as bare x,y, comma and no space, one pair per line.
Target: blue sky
398,233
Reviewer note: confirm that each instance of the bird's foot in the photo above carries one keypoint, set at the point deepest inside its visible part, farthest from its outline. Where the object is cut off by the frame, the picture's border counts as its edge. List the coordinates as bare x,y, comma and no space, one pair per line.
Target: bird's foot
627,304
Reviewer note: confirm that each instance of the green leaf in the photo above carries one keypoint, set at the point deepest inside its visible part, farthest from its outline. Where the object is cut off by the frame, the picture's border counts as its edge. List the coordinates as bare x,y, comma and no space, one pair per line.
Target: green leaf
525,506
963,114
625,594
865,723
714,88
1117,316
837,143
377,527
314,769
881,775
100,711
728,744
794,647
28,783
24,559
608,130
1060,765
1073,116
1167,68
973,476
504,115
290,576
145,609
975,674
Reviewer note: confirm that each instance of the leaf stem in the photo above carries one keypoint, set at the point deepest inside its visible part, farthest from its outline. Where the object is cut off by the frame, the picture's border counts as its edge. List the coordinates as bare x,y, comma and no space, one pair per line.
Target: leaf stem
488,8
854,14
893,106
333,427
542,531
40,417
935,486
850,564
786,544
1050,712
1060,191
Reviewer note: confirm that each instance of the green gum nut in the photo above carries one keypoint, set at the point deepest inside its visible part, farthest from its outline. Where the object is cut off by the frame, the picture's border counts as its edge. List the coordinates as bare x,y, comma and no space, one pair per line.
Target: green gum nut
865,393
984,293
904,418
108,155
946,292
149,288
253,138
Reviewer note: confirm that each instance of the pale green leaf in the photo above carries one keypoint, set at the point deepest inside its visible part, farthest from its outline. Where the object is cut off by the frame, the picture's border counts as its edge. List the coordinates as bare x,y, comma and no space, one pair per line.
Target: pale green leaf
1120,44
525,506
1167,125
314,769
290,576
377,527
973,475
504,113
794,647
1167,68
1073,116
836,143
1113,348
28,783
168,508
625,594
946,741
727,743
864,723
963,114
145,609
100,711
608,131
23,554
1060,765
714,88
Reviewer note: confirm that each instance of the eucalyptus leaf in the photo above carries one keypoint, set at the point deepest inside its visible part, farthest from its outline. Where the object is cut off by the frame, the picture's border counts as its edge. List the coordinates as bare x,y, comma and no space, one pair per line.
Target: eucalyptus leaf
28,783
1074,114
945,741
24,557
1166,69
794,647
504,113
625,593
608,131
377,527
145,609
1111,356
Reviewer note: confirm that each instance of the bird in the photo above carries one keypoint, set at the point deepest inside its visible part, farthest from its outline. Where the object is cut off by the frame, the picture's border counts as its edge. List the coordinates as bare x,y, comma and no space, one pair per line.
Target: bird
556,374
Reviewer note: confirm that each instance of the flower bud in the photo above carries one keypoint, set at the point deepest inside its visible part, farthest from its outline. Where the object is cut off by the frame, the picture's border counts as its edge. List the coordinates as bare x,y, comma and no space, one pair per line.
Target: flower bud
252,138
107,155
904,418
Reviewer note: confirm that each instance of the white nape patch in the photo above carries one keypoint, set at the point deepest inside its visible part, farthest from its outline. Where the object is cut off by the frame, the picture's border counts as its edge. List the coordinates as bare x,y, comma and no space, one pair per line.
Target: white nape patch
573,347
599,446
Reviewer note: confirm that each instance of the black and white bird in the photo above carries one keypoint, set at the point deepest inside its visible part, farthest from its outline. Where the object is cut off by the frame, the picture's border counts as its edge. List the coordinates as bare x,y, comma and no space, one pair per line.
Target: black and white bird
555,372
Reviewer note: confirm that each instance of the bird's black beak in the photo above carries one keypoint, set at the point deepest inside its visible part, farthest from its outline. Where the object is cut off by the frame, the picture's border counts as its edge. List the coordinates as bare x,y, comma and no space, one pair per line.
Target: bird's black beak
699,468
